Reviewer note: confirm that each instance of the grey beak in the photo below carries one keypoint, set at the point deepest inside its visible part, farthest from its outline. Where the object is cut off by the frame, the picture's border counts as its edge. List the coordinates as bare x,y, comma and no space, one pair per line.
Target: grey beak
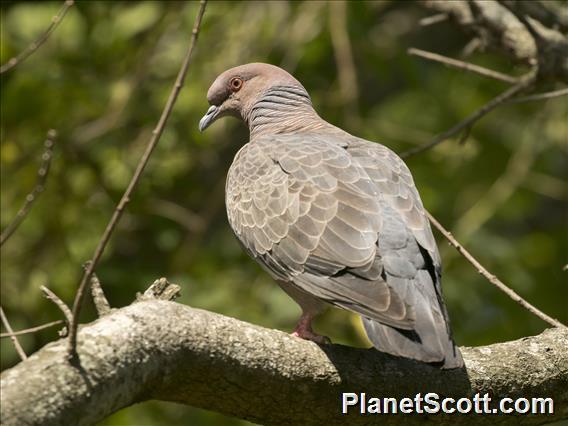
209,117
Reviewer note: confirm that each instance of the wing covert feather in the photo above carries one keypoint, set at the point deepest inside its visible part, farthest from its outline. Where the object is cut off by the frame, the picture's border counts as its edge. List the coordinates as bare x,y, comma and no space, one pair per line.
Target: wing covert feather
311,210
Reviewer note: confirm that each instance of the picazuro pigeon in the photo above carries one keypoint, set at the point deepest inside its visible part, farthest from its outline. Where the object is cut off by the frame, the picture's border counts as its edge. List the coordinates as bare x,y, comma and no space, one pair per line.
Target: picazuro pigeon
333,218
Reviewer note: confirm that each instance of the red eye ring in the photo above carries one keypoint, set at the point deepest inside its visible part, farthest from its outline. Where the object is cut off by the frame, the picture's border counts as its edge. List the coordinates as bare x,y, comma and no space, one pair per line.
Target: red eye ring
235,84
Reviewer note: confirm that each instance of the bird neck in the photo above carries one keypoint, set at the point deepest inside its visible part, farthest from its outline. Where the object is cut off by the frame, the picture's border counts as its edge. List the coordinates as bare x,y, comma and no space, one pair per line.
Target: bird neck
282,109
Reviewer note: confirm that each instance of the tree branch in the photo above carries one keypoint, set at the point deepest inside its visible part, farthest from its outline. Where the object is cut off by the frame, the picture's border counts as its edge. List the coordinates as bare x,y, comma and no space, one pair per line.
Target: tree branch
50,295
31,329
99,299
13,337
434,19
492,278
171,352
469,121
42,173
28,51
540,96
500,26
466,66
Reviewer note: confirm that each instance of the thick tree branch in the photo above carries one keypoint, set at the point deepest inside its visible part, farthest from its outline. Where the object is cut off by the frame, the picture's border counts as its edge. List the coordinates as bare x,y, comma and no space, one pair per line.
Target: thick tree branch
503,26
167,351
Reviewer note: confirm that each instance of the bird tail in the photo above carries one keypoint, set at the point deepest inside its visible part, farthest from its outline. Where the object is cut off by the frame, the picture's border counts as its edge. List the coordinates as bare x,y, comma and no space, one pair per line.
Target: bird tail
430,341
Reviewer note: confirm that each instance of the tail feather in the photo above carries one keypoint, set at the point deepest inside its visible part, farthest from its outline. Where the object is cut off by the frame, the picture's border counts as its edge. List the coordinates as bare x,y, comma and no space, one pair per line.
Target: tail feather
430,340
397,342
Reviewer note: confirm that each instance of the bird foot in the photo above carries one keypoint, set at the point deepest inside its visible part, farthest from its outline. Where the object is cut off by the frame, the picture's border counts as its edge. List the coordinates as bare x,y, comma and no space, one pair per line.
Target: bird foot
306,334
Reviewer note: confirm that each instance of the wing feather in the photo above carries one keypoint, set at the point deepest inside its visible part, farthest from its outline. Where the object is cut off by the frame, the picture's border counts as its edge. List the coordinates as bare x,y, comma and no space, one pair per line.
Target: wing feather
320,211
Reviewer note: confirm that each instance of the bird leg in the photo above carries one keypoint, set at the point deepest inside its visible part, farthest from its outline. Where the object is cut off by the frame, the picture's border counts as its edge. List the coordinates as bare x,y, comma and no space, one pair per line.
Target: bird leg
304,330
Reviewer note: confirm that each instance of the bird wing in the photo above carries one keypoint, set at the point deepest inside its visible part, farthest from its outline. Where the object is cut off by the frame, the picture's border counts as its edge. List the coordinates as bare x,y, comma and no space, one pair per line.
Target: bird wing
397,191
407,235
311,214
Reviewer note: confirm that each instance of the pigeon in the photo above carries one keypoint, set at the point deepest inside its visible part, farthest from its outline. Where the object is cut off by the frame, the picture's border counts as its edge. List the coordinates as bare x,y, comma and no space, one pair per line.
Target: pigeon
333,218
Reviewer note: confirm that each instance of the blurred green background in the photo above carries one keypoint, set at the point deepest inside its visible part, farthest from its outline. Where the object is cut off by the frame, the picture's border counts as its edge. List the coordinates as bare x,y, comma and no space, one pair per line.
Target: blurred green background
102,80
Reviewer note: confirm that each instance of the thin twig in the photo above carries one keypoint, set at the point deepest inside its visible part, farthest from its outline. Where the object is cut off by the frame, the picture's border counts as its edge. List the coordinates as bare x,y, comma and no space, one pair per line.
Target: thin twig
24,54
32,329
101,303
79,297
466,66
492,278
524,82
38,189
8,328
465,134
60,304
540,96
471,47
434,19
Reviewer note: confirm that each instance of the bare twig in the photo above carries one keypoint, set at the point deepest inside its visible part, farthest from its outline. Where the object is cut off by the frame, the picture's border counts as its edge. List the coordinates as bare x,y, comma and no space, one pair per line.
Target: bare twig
24,54
60,304
8,328
540,96
524,82
38,189
101,303
471,47
492,278
466,66
464,135
32,329
434,19
79,297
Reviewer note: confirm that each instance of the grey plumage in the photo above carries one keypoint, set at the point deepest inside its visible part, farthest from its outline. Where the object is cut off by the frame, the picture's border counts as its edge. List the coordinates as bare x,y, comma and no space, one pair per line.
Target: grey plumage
332,217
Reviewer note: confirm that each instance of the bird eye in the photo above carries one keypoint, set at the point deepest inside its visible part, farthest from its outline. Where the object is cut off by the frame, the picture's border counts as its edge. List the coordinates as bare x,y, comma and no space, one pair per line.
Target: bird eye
235,84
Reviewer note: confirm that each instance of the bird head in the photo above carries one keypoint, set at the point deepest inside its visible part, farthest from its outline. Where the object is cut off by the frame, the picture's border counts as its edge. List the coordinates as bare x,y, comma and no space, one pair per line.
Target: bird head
236,91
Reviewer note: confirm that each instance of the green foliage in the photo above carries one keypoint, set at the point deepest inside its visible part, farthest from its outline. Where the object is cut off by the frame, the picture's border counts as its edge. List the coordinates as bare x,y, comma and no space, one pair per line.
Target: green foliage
102,79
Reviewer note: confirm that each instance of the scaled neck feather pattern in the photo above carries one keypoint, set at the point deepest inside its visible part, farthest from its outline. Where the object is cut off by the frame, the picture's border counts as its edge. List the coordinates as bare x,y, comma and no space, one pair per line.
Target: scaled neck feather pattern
283,109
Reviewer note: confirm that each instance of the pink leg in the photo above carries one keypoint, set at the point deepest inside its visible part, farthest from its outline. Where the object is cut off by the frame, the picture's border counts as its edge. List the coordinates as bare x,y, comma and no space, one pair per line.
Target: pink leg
304,329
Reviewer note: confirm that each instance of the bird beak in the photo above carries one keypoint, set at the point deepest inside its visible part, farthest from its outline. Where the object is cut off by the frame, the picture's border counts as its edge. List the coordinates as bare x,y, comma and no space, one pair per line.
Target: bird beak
209,117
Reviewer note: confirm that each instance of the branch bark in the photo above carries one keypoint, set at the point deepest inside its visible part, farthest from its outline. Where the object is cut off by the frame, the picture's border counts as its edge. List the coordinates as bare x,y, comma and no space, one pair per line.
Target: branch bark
171,352
527,34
